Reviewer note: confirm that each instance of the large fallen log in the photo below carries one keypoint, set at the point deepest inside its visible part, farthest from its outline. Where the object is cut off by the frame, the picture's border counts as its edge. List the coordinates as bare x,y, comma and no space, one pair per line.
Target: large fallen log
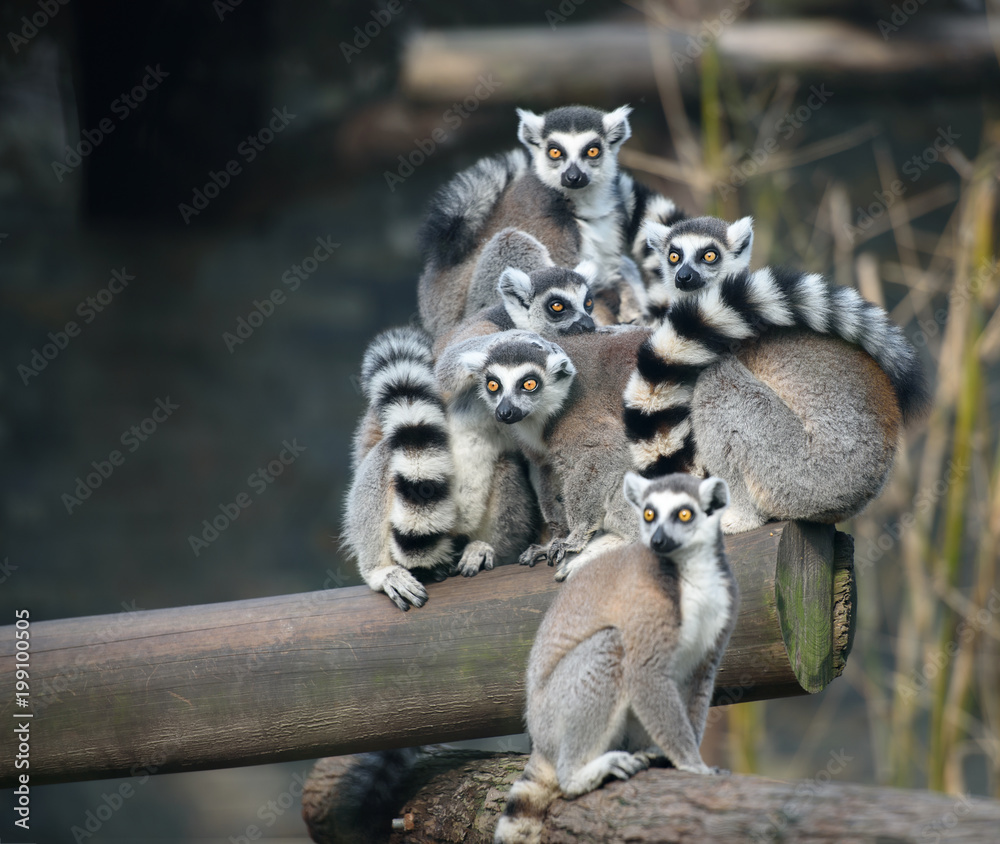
344,671
455,796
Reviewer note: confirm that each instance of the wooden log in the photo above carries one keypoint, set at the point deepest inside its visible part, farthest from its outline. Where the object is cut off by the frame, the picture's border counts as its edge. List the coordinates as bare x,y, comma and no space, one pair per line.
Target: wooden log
344,671
607,62
457,796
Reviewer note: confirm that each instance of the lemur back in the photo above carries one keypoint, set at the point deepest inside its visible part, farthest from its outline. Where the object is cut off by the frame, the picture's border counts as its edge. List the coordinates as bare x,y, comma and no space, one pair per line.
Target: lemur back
564,189
623,666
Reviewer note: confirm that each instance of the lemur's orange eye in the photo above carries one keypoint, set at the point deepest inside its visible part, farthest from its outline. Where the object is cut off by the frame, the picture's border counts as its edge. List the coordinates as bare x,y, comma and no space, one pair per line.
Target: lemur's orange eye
530,384
593,152
684,514
588,306
673,256
492,385
649,514
555,153
557,306
711,256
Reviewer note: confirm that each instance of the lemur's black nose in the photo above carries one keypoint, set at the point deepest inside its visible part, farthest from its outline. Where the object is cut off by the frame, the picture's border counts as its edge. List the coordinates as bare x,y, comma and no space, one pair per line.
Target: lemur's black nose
581,326
688,279
574,177
661,543
508,413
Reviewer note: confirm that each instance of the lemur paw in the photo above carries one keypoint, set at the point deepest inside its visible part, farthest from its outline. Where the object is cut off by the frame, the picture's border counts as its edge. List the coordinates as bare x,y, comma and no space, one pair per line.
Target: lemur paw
477,555
697,768
534,554
404,589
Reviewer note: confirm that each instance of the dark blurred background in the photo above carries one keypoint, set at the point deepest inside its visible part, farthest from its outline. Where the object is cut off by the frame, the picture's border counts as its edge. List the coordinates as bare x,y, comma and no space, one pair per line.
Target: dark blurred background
209,153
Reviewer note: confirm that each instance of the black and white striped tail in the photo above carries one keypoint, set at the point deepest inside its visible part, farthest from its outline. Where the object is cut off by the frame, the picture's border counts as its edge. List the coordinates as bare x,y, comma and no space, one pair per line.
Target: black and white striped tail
397,376
698,330
642,206
528,802
461,208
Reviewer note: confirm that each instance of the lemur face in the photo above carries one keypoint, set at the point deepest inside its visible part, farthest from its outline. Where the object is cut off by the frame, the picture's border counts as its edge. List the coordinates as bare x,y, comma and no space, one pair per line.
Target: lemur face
697,253
574,147
521,377
550,301
676,511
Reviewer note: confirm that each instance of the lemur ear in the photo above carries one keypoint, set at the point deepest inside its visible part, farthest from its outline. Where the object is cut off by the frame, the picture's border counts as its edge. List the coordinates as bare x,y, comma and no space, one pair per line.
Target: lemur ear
588,269
560,365
740,236
473,362
657,235
635,489
516,284
529,132
616,126
714,495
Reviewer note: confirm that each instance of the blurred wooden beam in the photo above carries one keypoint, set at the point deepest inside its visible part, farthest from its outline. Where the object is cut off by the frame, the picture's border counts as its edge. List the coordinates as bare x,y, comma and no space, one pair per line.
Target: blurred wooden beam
611,62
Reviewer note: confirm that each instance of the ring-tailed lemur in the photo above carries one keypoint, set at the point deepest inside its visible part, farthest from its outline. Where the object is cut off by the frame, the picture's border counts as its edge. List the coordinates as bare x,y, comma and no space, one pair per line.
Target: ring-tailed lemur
802,426
434,468
623,666
823,435
566,190
549,301
696,247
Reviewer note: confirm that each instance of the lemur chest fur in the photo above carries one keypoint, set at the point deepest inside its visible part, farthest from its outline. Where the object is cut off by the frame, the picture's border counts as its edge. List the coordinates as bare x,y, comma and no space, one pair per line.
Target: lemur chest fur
705,609
476,446
601,238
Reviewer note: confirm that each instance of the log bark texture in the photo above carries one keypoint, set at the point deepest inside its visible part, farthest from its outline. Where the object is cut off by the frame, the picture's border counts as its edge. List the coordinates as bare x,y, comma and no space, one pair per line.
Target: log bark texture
456,797
344,671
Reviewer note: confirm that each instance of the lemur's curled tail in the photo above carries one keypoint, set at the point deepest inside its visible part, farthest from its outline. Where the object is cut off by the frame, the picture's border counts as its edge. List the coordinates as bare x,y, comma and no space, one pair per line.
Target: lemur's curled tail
527,803
698,330
397,377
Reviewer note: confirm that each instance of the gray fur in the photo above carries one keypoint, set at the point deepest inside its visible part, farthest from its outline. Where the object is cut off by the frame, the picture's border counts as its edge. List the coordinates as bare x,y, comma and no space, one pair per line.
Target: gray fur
429,475
623,666
803,426
576,207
